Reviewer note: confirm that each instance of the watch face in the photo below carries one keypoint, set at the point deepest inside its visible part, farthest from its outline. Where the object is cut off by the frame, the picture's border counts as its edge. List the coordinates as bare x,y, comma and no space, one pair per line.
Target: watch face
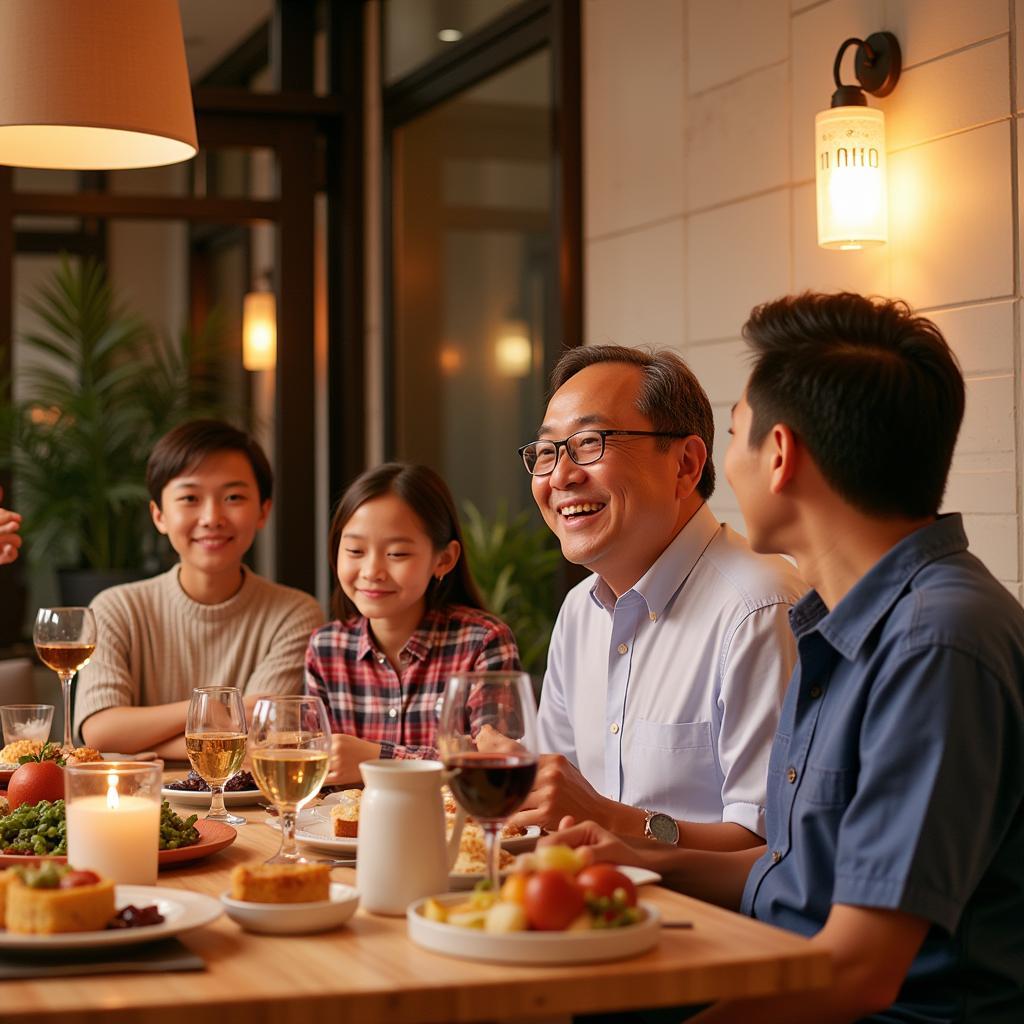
663,827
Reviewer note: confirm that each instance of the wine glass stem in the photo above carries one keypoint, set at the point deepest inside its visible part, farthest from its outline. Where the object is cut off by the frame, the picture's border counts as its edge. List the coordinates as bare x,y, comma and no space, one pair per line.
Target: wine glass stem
65,685
288,847
492,838
217,809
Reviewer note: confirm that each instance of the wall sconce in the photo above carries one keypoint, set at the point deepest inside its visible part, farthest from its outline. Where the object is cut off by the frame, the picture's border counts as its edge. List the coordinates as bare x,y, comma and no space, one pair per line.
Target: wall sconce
259,331
92,86
850,149
513,351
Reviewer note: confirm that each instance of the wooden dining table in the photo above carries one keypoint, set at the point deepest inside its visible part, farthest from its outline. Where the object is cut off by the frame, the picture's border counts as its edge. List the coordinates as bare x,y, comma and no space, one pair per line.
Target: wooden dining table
369,972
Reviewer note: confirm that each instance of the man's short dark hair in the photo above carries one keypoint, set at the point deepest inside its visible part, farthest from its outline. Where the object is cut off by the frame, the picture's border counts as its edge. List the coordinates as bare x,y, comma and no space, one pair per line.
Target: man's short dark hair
872,390
183,448
670,395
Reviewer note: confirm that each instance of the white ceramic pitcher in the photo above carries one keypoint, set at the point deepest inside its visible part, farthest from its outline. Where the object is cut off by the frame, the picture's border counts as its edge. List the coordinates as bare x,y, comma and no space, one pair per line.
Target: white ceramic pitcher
403,855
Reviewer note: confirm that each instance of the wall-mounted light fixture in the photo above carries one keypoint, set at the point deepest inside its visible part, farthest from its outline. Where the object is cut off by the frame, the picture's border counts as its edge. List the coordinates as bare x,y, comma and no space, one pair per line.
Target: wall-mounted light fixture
849,149
513,349
92,86
259,328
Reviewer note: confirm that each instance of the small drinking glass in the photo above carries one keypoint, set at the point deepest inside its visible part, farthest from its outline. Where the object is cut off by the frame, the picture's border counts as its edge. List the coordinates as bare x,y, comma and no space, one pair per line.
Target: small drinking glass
26,722
215,742
65,639
290,743
487,740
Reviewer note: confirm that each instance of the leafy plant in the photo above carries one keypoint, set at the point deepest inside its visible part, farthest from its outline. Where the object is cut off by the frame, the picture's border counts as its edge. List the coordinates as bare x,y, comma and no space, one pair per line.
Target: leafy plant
102,392
515,563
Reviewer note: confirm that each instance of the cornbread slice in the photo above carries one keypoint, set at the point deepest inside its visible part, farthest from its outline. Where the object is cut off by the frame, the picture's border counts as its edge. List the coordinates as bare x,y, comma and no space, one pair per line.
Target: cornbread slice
345,814
281,883
85,908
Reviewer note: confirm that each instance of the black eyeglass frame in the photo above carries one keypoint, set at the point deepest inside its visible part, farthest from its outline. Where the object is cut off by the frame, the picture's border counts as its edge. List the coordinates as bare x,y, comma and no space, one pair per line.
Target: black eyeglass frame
603,434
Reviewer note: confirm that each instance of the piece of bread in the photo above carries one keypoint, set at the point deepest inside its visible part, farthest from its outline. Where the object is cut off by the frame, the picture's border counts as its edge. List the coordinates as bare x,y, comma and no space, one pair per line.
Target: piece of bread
345,814
84,908
472,859
281,883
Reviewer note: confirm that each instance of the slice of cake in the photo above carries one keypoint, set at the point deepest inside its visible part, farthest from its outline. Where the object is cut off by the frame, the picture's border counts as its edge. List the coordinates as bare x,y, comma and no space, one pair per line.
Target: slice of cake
281,883
56,898
345,814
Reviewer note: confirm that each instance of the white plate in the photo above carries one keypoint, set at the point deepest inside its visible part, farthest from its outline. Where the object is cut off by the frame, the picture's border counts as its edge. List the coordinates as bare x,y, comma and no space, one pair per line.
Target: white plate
533,947
199,798
639,876
294,918
182,910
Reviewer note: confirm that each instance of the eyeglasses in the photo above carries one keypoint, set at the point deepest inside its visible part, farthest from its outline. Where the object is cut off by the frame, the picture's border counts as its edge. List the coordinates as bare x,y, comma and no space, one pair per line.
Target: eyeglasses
584,447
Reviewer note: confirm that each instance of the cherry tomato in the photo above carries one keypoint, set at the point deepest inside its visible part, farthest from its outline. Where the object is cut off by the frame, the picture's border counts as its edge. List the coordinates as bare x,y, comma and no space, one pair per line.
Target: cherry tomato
603,880
35,781
73,879
552,900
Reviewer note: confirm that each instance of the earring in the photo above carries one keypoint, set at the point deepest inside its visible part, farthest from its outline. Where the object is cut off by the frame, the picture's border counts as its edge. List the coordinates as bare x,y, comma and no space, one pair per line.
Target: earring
439,577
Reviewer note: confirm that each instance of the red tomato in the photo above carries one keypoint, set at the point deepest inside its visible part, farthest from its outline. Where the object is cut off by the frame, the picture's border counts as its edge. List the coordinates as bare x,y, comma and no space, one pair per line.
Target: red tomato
35,781
552,900
73,879
603,880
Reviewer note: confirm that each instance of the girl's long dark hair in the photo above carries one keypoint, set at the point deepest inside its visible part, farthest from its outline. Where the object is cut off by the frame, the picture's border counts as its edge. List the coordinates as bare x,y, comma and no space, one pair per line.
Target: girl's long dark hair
428,496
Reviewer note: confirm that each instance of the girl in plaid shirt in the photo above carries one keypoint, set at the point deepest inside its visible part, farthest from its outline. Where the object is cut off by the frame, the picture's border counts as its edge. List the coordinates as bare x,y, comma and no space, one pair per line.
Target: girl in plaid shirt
407,615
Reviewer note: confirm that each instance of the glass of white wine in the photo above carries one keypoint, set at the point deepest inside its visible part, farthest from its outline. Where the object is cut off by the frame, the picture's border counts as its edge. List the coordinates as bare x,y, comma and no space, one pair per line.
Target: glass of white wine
65,639
215,741
290,743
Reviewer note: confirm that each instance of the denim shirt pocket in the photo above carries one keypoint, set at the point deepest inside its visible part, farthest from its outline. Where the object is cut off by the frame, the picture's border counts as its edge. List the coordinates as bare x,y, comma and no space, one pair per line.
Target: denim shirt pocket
828,787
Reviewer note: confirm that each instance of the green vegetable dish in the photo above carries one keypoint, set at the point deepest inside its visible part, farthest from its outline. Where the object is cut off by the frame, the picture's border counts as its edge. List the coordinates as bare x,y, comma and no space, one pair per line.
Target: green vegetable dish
40,829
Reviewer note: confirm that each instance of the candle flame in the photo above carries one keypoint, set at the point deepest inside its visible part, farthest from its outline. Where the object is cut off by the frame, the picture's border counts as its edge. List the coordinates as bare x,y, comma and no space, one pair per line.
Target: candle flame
112,798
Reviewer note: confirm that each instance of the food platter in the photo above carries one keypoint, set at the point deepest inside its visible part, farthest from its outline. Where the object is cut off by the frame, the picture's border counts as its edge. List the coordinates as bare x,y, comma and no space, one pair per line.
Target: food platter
638,876
181,910
201,798
579,947
214,836
7,770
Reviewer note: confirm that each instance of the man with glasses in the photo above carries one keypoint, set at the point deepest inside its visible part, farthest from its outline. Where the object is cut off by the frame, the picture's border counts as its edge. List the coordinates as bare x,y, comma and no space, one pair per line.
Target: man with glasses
667,666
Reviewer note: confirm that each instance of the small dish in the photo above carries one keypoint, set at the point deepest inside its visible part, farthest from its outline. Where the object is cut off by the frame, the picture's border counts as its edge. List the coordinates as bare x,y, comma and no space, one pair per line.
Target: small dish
294,918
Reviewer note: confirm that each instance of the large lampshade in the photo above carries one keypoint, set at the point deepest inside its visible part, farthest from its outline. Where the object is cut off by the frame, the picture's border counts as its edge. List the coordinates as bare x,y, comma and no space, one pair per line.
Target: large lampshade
94,84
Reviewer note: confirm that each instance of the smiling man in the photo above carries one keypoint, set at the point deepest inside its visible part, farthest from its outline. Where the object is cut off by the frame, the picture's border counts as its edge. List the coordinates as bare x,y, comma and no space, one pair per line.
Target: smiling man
209,621
667,666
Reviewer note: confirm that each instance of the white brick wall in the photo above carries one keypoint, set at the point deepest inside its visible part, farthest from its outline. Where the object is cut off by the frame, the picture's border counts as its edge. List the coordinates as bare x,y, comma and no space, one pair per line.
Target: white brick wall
700,199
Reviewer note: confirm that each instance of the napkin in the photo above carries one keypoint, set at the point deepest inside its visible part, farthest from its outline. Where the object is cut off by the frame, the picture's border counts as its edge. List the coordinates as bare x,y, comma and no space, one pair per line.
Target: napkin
165,955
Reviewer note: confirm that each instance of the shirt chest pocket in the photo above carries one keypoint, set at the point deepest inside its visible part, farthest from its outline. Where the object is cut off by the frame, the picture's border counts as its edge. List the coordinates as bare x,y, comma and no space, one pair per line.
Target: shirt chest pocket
828,787
673,735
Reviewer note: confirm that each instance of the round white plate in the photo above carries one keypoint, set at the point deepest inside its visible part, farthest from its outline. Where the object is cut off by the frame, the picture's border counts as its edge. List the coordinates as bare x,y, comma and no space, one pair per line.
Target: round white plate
182,910
533,947
294,918
198,798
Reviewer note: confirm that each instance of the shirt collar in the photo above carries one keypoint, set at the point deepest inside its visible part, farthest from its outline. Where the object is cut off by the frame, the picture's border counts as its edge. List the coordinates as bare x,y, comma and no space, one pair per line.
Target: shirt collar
664,578
871,598
417,646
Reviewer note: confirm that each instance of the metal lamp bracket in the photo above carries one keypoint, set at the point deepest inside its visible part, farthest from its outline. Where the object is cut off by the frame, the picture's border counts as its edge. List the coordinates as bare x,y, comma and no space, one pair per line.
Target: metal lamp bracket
877,65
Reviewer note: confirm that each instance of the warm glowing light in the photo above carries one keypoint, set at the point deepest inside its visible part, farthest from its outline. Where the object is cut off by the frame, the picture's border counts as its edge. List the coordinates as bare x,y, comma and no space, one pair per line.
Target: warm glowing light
851,178
513,351
449,35
94,86
450,359
259,331
112,799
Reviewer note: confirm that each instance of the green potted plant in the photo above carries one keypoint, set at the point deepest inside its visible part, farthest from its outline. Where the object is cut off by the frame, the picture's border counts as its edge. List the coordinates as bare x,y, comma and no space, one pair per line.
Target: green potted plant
100,391
515,562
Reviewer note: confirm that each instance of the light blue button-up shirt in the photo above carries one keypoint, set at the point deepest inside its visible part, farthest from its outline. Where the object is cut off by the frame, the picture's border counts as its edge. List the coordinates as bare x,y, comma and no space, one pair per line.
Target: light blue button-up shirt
668,697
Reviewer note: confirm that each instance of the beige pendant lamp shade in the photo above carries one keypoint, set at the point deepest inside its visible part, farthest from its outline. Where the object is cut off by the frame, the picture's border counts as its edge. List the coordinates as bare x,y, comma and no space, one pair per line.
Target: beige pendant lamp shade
94,84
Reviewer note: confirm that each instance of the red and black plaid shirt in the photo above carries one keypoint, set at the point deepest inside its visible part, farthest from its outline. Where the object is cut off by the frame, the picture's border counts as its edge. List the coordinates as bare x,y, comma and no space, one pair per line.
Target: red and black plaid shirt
366,697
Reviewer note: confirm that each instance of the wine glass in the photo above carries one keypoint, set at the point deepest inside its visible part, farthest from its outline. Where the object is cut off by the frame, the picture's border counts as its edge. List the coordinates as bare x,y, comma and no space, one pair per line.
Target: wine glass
290,742
487,738
65,639
215,742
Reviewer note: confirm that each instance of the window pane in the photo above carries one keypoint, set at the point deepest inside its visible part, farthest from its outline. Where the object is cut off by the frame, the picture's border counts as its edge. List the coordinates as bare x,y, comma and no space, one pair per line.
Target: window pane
475,282
416,30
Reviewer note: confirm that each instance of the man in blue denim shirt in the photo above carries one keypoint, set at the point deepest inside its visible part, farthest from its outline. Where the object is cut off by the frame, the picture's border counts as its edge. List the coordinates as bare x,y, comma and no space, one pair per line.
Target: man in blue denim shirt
895,812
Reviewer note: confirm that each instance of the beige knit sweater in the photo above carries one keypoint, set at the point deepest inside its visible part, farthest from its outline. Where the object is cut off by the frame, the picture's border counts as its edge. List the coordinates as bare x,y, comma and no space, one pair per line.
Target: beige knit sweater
155,643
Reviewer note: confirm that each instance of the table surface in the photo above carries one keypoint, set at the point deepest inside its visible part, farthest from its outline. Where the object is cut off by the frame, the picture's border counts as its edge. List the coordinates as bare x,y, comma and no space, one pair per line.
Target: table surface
369,971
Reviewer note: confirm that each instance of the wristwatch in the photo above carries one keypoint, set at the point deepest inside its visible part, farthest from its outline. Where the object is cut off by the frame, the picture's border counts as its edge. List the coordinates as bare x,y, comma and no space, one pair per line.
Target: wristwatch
661,826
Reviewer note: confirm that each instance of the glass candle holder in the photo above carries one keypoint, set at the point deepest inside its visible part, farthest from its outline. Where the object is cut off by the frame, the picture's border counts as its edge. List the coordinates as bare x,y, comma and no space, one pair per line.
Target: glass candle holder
113,819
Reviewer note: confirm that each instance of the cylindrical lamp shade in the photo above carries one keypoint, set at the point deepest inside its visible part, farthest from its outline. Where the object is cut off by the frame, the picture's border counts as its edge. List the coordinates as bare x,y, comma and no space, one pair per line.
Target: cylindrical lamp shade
88,85
259,331
851,182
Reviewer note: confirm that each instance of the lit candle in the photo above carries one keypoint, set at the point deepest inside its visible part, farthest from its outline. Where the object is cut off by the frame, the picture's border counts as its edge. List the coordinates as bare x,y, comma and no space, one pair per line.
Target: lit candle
113,820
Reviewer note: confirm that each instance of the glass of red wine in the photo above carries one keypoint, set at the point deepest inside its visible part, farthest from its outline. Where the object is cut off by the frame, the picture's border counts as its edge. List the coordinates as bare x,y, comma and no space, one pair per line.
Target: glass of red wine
487,739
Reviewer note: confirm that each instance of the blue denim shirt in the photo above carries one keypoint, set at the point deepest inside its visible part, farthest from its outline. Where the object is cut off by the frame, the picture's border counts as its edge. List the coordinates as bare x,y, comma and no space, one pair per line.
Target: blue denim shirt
896,779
